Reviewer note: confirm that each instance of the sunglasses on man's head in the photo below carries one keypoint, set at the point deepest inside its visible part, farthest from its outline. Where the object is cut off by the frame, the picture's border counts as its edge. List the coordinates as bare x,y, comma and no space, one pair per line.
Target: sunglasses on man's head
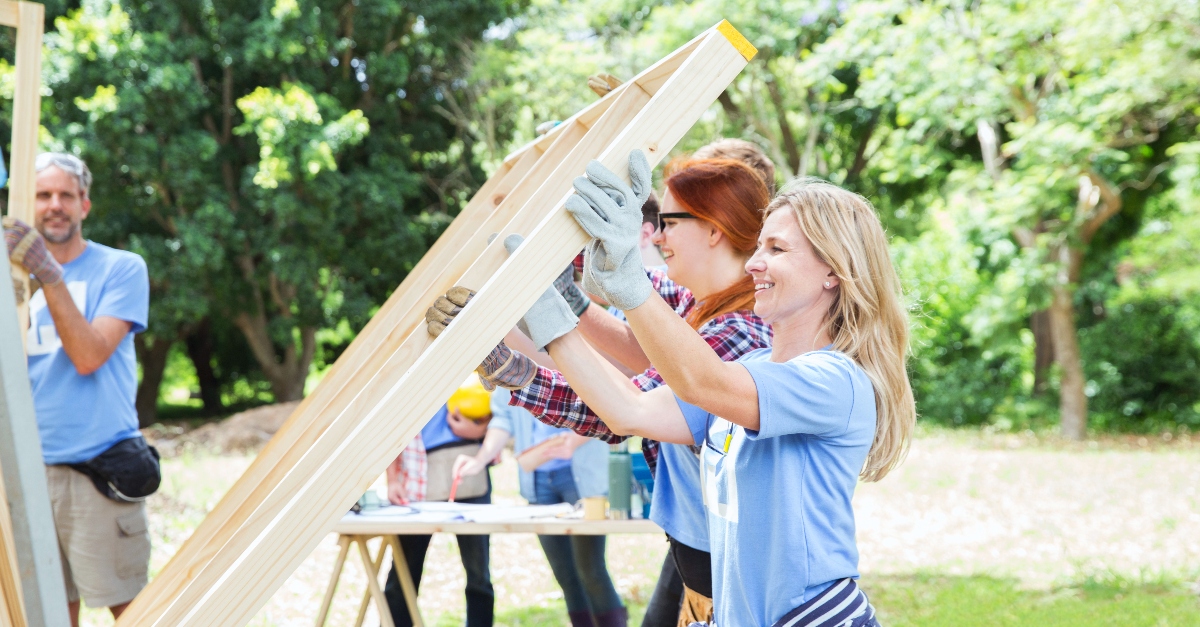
681,215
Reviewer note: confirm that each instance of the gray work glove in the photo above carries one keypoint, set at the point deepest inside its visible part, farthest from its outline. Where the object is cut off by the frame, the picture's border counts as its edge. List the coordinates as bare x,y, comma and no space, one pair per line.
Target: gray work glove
565,284
27,248
611,212
550,317
503,367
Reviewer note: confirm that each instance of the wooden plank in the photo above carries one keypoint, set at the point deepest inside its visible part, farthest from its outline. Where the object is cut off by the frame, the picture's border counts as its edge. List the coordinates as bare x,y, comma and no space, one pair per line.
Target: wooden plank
304,424
327,600
403,312
559,153
420,375
30,545
27,101
12,605
10,13
400,562
29,531
376,593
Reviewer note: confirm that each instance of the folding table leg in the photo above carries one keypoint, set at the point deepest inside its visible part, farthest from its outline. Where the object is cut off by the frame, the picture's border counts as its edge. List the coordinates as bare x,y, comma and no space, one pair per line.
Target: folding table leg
406,582
343,549
372,568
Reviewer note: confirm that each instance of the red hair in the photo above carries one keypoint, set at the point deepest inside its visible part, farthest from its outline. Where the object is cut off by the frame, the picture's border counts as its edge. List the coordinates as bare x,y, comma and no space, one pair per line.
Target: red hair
731,196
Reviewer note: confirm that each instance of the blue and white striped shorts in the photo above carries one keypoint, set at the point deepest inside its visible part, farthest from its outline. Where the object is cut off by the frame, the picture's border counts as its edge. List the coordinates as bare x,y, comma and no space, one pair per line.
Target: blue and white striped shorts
842,604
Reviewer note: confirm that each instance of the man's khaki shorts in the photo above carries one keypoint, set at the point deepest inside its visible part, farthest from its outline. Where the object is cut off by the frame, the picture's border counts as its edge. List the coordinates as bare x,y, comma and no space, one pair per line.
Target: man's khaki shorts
104,545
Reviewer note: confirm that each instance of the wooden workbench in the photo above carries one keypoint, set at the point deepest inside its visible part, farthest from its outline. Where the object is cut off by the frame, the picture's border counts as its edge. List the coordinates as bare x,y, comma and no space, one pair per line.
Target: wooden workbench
390,522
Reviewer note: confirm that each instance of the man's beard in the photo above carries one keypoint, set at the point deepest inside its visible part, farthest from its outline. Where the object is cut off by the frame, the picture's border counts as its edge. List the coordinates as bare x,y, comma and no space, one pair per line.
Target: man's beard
64,237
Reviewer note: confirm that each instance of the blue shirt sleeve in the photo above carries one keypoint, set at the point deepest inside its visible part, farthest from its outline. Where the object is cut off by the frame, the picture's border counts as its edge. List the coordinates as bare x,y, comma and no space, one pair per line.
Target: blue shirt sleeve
812,394
126,293
501,411
697,420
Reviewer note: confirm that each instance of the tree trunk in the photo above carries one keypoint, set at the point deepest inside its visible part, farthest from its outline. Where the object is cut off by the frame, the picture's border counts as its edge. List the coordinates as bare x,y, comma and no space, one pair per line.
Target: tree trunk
1043,350
1072,404
200,350
153,357
286,375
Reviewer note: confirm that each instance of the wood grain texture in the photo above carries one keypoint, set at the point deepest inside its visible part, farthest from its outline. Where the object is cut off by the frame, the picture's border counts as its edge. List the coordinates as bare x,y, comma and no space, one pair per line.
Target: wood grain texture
10,13
403,313
27,104
310,418
27,17
211,563
421,374
12,603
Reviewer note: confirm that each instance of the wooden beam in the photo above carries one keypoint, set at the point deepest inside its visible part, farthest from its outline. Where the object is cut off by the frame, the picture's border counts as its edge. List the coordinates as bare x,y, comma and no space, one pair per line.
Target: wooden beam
30,545
420,375
10,13
403,312
305,423
12,606
27,102
385,333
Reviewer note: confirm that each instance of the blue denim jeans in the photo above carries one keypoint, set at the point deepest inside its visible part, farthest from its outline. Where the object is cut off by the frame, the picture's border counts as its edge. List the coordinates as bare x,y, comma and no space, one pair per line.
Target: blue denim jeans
577,561
481,598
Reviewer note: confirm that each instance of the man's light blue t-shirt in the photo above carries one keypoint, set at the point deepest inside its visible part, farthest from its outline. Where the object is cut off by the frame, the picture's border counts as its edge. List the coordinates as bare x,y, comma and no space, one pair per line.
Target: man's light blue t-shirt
81,416
780,520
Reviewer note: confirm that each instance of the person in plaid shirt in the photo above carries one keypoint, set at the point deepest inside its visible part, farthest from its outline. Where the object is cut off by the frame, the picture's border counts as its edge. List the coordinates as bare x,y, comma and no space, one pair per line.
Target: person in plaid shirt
712,212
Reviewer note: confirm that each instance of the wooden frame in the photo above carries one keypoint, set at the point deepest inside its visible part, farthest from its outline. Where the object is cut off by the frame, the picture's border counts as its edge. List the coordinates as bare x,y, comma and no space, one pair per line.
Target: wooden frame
395,376
29,546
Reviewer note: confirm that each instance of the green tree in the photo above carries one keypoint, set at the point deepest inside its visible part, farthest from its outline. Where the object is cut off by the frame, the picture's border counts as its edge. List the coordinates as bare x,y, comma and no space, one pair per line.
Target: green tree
1070,112
280,165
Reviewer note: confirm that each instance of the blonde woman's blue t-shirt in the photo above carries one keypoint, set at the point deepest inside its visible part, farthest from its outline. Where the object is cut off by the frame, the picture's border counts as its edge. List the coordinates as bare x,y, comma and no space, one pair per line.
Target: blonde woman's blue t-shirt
781,525
81,416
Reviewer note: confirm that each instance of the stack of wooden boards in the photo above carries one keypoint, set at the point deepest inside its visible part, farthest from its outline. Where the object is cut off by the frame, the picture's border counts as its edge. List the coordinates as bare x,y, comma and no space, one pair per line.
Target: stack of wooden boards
394,376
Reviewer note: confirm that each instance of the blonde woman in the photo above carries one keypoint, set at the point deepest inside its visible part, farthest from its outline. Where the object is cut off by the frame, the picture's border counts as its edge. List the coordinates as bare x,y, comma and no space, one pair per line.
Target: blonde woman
786,431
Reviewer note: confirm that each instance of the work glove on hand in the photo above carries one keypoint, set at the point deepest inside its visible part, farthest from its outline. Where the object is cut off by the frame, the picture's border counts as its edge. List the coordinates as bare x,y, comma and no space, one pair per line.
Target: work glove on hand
611,212
27,248
550,317
565,284
503,367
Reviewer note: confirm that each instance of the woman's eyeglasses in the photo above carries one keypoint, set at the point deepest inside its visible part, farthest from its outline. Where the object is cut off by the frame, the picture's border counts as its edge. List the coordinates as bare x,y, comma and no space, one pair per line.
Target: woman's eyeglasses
673,216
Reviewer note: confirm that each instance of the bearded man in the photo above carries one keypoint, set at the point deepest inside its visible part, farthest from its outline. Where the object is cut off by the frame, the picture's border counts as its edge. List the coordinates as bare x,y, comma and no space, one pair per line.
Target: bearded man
83,371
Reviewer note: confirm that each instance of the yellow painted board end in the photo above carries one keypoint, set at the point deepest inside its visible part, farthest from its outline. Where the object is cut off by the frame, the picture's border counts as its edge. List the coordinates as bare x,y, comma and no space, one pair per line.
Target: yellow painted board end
739,42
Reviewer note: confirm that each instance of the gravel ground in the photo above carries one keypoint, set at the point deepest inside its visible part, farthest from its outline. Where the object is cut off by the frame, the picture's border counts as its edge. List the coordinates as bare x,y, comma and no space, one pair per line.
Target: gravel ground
1039,510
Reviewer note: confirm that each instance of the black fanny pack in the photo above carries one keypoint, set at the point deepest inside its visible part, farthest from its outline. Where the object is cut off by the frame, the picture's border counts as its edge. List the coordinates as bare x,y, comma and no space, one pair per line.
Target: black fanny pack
127,472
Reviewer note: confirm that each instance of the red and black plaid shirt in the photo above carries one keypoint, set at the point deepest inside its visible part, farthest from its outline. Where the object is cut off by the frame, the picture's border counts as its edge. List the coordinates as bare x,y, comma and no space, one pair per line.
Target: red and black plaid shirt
551,399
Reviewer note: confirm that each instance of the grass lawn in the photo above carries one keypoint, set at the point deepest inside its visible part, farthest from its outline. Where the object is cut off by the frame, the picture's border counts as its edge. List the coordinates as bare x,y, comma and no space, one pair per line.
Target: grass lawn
974,529
935,601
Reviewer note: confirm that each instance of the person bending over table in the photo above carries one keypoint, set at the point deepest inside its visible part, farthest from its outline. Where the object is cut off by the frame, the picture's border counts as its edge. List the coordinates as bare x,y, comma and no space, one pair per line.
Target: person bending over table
786,432
577,468
424,472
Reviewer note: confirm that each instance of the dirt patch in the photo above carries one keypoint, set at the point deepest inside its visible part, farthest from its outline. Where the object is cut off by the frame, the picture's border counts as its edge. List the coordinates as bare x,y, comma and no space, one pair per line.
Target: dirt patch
243,432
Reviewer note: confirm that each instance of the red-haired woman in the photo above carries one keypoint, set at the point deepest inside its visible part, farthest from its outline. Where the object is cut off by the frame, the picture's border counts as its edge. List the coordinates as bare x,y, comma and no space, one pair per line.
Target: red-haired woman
710,218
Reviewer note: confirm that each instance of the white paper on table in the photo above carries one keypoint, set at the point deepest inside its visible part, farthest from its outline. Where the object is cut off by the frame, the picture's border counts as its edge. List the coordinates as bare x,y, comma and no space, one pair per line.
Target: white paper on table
504,513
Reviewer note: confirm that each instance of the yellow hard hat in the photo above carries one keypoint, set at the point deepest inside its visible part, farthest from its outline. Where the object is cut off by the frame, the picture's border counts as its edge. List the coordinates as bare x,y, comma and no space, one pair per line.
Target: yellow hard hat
471,399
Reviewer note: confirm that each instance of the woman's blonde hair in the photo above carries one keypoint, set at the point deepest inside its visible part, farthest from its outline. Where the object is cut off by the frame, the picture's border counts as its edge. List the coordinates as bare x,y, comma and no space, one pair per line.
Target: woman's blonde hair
867,319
